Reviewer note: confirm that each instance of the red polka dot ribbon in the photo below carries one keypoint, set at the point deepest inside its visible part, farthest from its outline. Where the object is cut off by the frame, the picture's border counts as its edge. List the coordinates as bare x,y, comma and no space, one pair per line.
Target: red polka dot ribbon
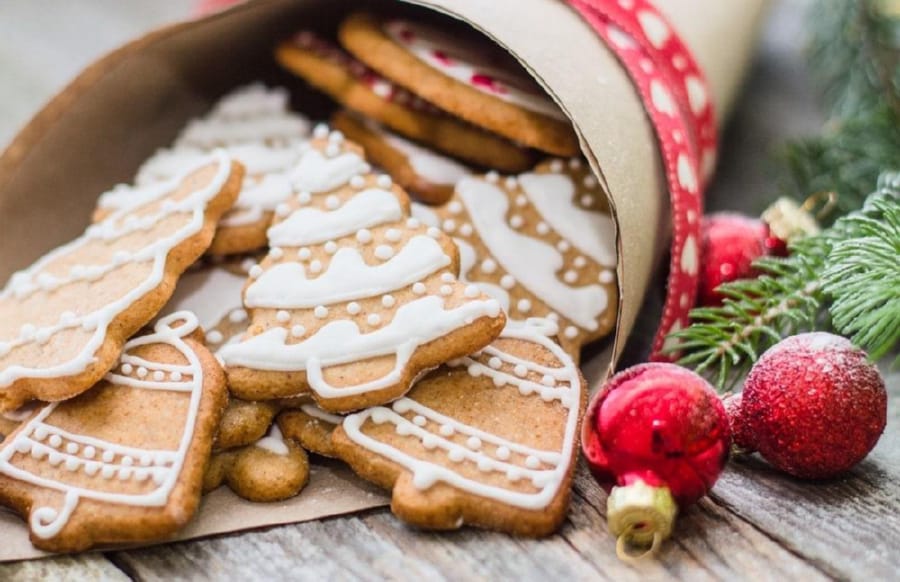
676,97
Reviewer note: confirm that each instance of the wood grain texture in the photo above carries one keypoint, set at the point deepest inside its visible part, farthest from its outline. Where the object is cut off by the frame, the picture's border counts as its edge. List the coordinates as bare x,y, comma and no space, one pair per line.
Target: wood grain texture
757,525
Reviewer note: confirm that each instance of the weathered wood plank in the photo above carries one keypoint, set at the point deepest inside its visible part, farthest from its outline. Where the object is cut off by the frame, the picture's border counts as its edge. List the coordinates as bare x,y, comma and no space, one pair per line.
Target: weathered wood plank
63,568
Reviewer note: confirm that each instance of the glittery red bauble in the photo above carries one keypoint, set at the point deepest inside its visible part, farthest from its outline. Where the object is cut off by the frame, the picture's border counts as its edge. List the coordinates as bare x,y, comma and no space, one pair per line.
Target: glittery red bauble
661,424
730,244
813,406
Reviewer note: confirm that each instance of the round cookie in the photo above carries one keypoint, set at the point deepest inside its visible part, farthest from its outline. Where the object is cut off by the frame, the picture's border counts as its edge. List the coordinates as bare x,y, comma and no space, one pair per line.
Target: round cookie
310,426
331,70
243,423
464,74
355,299
271,469
427,175
489,440
542,243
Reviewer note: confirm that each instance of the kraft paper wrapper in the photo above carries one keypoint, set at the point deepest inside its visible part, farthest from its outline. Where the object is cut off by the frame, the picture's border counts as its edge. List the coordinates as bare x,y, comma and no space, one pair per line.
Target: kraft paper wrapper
99,129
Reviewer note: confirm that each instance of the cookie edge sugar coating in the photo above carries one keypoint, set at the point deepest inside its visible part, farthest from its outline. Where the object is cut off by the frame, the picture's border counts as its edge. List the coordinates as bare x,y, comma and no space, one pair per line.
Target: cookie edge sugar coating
440,131
443,507
243,423
241,470
311,427
140,312
361,34
394,162
120,524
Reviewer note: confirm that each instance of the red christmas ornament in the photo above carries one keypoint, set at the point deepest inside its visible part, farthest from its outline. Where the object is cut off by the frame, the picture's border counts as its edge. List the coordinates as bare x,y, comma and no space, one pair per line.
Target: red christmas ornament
813,406
657,437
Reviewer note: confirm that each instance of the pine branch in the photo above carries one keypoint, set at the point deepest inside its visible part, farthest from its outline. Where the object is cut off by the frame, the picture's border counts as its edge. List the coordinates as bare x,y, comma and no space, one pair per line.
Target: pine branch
854,55
848,275
863,273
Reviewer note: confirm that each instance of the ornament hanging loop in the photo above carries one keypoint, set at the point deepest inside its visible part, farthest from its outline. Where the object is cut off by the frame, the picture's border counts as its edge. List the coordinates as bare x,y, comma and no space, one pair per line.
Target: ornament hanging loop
827,198
625,542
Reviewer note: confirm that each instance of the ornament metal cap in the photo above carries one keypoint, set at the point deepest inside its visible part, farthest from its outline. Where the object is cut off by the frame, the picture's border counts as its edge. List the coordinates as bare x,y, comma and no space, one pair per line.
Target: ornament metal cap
788,220
640,516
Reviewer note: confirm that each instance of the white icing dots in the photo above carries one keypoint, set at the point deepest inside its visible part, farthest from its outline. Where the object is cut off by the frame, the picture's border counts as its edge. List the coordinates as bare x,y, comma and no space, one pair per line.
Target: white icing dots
357,182
457,455
364,236
413,223
507,281
446,290
465,229
321,312
331,247
472,291
516,221
587,200
579,262
320,131
142,372
282,316
384,252
255,271
488,266
495,362
332,202
447,277
520,370
571,332
430,442
532,462
237,316
175,376
502,453
449,225
563,246
315,266
606,276
447,430
542,228
454,207
433,232
353,308
523,305
304,254
419,420
373,319
304,198
298,331
276,253
215,337
492,177
473,442
548,380
511,183
418,288
393,235
159,376
570,276
388,301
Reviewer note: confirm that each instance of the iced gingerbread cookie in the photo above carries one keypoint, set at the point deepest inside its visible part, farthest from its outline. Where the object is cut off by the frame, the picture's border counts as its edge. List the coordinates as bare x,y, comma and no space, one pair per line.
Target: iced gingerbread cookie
334,72
464,74
489,440
541,243
271,469
124,462
427,175
355,299
310,426
64,319
254,125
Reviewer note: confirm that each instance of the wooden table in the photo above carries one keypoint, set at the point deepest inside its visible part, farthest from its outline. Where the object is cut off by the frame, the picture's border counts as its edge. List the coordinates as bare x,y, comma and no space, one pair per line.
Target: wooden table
756,525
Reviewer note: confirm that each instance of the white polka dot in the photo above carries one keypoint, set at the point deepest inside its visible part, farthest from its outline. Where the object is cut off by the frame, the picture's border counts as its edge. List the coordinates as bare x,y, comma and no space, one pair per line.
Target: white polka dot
357,182
472,291
606,276
384,252
364,236
532,462
507,281
298,331
465,229
488,266
686,176
320,311
571,332
579,262
331,247
373,319
516,221
418,288
447,430
384,181
215,337
315,266
556,166
520,370
521,200
159,375
655,29
575,163
696,94
492,176
447,277
388,301
446,290
689,258
563,246
433,232
142,372
570,276
542,228
237,316
455,207
304,197
413,223
393,235
320,131
495,362
661,98
589,181
449,225
255,271
502,453
276,253
473,443
548,380
303,254
353,308
332,202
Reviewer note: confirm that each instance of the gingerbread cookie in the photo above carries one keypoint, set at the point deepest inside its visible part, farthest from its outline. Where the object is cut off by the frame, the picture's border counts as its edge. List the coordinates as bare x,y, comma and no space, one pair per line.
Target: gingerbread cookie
541,243
256,128
63,320
310,426
354,299
331,70
489,440
243,423
123,462
427,175
272,469
464,74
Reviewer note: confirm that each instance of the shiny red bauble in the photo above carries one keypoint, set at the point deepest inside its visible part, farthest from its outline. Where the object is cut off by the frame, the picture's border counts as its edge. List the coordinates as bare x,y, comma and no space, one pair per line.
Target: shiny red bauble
657,436
730,244
813,406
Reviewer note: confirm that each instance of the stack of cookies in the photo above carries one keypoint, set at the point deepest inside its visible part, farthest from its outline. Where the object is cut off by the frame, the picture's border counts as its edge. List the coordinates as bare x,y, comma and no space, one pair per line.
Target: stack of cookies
405,288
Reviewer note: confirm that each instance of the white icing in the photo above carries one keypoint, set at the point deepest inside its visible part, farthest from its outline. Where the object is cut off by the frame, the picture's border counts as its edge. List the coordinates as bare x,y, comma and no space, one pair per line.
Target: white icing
274,442
467,260
41,439
339,342
434,167
348,277
530,261
453,57
554,196
316,172
317,413
491,453
308,226
210,293
252,100
119,224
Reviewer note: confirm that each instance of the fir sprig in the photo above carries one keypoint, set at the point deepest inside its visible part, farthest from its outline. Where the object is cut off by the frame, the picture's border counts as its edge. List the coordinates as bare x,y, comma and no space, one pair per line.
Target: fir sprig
848,273
862,277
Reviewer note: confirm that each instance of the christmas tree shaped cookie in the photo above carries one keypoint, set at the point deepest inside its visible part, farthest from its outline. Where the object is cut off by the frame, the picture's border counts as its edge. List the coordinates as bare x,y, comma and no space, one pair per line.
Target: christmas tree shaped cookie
489,439
355,299
63,320
542,243
124,461
256,127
